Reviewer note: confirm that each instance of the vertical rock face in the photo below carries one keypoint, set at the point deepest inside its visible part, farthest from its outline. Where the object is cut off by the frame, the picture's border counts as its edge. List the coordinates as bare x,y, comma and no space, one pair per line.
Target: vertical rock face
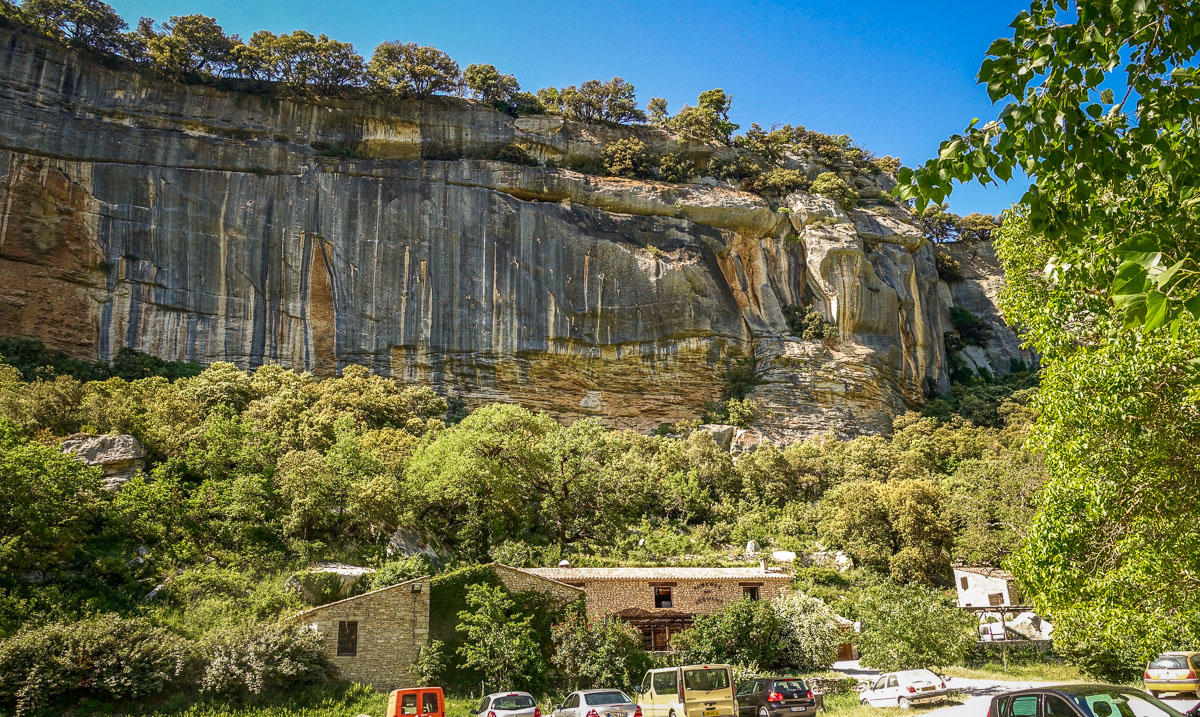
194,223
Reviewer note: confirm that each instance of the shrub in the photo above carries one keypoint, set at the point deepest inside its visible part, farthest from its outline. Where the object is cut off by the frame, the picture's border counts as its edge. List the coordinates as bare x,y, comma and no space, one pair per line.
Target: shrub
778,182
746,631
257,658
515,154
885,165
706,122
497,642
614,101
909,627
676,167
431,663
811,632
742,412
828,184
741,168
106,657
948,268
970,327
629,158
606,651
399,570
808,324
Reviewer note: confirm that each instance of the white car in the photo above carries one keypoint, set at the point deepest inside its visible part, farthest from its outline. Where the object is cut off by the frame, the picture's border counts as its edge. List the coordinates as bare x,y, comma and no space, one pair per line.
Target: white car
508,704
598,703
905,689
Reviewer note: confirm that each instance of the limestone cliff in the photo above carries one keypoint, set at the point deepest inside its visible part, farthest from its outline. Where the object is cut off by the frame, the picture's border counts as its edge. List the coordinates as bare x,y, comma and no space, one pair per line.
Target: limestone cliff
197,223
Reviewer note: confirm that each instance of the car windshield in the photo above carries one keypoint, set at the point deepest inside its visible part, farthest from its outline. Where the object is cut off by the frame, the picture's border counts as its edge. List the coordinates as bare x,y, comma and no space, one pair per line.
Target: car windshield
1119,703
606,698
706,680
788,687
512,702
1169,662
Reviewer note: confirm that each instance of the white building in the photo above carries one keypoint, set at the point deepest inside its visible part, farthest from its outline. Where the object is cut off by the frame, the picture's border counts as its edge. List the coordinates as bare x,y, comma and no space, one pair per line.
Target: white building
986,587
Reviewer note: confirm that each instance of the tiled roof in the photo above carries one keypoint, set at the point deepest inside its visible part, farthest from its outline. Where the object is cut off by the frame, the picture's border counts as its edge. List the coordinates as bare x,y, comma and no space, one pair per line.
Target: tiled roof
986,572
663,573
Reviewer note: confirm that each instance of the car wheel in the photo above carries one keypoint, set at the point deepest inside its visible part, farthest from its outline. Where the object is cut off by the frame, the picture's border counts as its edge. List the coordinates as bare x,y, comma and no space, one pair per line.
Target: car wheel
904,703
863,701
762,712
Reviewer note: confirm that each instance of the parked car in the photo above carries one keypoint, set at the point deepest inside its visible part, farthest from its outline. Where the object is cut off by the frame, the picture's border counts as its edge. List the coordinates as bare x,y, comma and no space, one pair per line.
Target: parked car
774,697
598,703
905,689
508,704
422,701
1080,701
1173,672
688,691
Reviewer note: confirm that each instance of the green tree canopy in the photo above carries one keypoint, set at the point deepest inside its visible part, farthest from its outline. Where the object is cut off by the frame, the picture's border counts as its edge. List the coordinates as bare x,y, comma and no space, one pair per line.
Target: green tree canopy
411,69
1100,112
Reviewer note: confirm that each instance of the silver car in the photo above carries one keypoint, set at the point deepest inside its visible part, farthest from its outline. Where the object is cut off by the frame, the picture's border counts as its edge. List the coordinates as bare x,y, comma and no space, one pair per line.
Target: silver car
508,704
598,703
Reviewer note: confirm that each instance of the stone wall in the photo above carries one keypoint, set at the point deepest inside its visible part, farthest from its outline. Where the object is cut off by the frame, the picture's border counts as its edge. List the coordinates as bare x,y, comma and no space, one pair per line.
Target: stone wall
695,596
393,626
518,581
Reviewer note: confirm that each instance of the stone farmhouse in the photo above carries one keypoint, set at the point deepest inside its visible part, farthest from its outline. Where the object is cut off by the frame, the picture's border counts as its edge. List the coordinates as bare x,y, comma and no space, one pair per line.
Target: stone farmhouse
662,601
374,638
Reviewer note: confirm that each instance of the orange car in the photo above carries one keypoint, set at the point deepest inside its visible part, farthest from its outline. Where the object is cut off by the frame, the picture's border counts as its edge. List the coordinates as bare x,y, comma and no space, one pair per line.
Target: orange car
417,702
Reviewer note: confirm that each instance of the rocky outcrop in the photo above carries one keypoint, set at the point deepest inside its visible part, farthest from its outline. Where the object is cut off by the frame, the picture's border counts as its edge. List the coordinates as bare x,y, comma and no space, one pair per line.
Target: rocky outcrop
977,292
120,457
196,223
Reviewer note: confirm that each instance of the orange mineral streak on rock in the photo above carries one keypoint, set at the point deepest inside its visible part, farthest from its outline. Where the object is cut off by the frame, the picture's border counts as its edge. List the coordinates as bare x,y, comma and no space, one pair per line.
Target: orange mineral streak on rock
50,266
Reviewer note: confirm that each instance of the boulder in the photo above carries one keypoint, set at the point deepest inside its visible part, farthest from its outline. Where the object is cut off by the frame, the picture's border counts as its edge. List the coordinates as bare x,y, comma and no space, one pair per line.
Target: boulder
721,433
120,457
406,543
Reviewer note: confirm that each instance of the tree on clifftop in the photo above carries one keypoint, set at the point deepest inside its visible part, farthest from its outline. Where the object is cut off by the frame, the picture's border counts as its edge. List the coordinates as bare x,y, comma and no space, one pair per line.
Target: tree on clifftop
90,23
190,45
411,69
301,62
487,84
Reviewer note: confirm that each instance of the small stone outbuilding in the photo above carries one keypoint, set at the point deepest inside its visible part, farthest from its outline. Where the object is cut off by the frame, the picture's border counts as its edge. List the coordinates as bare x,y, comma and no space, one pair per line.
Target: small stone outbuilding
374,638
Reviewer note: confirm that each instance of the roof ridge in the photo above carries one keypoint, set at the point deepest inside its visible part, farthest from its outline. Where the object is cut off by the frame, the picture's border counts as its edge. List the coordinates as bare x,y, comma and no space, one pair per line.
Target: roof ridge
356,597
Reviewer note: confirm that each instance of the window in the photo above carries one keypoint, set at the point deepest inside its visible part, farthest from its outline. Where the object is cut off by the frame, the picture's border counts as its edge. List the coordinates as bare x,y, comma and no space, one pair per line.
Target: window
1169,662
512,702
666,683
996,599
790,689
662,597
1024,706
646,679
893,682
408,704
706,680
429,703
606,698
750,591
880,684
747,688
963,581
483,705
648,638
573,702
348,642
1055,706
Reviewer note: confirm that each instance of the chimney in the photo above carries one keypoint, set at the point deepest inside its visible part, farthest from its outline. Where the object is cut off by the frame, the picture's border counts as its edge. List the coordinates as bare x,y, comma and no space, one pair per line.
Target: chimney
762,562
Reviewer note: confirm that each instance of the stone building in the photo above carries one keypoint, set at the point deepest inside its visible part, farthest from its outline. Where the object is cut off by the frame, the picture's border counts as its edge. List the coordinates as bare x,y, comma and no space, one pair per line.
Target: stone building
518,581
985,587
664,600
374,638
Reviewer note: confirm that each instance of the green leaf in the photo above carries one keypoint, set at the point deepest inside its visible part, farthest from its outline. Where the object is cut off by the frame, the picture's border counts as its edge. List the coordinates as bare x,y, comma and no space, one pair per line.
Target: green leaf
1106,97
1156,310
1193,306
1164,277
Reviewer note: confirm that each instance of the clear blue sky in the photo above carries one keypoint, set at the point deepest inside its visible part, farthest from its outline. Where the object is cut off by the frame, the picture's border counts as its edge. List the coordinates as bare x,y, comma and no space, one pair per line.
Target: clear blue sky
898,77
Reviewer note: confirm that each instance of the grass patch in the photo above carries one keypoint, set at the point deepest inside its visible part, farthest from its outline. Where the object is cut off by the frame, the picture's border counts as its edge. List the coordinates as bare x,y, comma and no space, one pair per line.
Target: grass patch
848,706
1039,672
